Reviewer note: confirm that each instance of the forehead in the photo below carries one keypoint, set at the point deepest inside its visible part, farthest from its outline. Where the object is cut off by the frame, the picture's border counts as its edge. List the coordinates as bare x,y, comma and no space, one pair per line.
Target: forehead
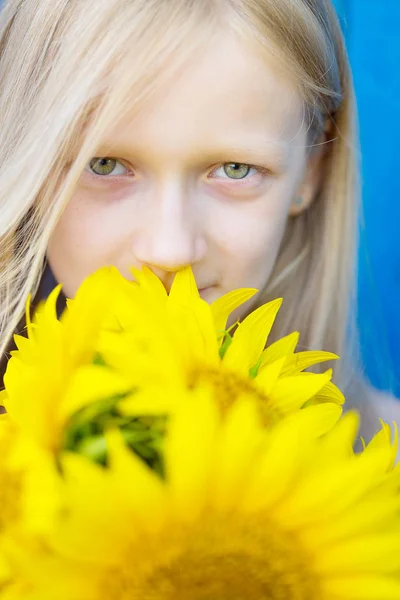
228,93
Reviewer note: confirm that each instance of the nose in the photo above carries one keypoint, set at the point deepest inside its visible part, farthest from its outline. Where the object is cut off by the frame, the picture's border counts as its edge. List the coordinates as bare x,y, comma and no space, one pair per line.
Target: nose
172,237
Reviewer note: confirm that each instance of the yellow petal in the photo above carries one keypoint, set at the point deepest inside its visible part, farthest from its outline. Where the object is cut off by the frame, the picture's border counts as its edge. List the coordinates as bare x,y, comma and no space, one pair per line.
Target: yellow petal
226,304
199,328
142,488
281,348
90,384
42,498
236,453
286,448
383,439
268,376
153,400
362,587
150,284
340,443
3,398
189,453
85,314
302,360
276,466
251,336
327,494
379,553
329,393
291,393
93,504
372,515
183,287
317,421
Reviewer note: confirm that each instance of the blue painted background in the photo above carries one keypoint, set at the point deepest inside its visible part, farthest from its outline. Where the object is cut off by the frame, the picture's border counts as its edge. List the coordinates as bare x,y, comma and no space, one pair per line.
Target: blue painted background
372,30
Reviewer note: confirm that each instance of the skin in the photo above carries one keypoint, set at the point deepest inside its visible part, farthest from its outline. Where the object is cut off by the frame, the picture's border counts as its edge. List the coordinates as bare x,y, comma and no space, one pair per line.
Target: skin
171,199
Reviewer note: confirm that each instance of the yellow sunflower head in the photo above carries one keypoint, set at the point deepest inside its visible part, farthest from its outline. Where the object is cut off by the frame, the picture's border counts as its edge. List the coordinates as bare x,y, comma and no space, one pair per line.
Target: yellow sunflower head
289,512
129,352
29,502
54,371
178,341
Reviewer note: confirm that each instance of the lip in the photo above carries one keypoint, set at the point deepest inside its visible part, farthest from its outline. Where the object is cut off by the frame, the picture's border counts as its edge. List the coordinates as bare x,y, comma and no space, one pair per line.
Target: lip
205,290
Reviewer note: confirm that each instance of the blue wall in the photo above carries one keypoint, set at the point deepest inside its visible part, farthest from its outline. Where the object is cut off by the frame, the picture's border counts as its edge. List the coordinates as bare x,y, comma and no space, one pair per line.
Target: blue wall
372,30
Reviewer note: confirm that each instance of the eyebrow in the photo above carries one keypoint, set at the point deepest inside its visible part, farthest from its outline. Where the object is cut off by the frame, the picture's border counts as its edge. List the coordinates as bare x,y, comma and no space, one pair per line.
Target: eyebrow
277,153
270,152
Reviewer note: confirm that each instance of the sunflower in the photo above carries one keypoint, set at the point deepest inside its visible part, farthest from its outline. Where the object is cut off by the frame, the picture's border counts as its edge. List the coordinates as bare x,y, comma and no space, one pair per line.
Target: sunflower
140,339
29,501
178,342
11,479
289,512
53,373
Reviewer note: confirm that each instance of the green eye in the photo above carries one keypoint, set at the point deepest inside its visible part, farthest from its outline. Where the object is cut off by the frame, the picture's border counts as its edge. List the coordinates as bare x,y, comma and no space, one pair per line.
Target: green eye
236,170
103,166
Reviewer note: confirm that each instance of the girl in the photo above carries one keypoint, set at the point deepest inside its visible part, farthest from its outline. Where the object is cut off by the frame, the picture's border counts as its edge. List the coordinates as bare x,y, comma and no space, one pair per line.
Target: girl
216,133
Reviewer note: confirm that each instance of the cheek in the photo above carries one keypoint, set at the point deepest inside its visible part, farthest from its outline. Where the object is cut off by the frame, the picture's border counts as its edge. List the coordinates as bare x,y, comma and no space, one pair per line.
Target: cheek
251,250
251,241
84,239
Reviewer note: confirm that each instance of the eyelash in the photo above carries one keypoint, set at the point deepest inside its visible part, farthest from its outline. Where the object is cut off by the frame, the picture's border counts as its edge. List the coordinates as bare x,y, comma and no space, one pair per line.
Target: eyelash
239,182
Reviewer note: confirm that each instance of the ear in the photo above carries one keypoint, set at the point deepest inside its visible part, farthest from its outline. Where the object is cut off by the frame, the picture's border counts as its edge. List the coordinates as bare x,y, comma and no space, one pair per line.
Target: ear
311,181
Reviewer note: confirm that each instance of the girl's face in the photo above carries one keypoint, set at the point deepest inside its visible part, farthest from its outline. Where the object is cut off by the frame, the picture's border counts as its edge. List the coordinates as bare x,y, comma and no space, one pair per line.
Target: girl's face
206,175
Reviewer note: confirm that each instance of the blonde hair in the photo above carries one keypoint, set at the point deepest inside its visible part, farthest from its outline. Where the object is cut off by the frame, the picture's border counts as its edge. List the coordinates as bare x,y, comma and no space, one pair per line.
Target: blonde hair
67,68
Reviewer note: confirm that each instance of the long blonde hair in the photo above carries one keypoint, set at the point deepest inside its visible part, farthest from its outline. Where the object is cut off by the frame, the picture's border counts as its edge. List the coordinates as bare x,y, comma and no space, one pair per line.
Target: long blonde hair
68,67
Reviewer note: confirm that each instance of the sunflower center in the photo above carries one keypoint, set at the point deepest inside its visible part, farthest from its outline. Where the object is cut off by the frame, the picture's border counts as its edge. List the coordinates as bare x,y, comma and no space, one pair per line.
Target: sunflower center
219,558
228,386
